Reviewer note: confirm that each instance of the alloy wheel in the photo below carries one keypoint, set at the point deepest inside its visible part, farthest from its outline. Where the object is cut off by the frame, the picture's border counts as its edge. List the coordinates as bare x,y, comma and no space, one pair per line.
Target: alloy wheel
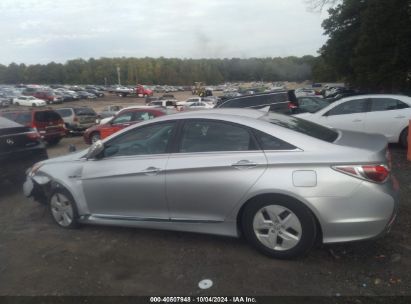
277,227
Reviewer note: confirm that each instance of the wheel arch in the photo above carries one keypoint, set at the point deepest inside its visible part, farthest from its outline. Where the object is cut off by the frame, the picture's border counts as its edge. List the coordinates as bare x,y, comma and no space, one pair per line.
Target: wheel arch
278,196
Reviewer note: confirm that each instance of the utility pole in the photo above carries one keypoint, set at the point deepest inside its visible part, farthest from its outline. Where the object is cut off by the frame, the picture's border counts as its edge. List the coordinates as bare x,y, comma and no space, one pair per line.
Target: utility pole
118,75
105,81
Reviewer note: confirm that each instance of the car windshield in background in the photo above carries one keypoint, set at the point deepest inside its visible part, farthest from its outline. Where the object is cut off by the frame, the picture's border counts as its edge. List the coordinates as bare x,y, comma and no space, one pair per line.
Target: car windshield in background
84,111
302,126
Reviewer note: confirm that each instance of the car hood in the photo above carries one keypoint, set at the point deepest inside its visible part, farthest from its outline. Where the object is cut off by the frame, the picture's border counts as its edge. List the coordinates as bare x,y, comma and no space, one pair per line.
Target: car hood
66,158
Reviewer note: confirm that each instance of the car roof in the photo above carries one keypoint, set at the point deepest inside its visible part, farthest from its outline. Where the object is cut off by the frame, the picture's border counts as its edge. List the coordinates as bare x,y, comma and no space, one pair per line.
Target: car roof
7,123
227,112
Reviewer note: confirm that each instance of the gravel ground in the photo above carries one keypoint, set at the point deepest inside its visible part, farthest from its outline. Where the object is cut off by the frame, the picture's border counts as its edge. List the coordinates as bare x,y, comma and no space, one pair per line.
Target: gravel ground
38,258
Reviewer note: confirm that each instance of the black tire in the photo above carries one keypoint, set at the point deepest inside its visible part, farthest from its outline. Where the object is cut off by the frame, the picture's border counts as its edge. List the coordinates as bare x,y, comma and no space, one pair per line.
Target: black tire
404,138
33,105
61,192
54,141
94,137
16,103
306,219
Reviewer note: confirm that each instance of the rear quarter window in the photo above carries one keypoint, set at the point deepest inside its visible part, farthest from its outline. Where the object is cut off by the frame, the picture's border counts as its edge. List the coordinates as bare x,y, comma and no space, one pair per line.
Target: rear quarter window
84,111
302,126
64,112
45,116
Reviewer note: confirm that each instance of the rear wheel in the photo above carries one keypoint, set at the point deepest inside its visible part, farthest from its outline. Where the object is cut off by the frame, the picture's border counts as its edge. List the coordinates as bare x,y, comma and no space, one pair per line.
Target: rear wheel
95,136
16,103
63,209
53,141
279,227
33,104
404,138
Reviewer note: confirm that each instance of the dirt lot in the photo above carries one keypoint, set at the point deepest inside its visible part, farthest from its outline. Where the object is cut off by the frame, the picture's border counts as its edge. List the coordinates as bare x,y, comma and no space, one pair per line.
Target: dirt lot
38,258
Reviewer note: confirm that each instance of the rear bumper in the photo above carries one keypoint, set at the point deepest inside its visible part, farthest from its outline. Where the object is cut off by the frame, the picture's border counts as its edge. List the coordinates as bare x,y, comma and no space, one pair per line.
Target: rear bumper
368,213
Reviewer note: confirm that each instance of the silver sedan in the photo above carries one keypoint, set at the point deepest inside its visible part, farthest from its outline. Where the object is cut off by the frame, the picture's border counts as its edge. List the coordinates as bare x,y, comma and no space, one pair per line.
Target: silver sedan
279,181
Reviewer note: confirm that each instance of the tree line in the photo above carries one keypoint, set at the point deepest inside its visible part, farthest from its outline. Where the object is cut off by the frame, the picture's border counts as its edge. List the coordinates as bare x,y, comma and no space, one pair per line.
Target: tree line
171,71
369,44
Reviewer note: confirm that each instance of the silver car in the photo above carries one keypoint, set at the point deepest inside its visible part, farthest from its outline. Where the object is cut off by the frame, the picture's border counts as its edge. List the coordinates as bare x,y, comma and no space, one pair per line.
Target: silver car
279,181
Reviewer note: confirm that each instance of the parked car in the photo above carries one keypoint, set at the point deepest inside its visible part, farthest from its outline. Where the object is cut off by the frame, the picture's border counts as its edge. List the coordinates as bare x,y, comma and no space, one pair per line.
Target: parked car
310,104
164,103
142,91
384,114
20,148
4,102
86,95
29,101
48,123
192,106
284,102
48,97
305,92
280,181
109,111
78,119
123,119
95,92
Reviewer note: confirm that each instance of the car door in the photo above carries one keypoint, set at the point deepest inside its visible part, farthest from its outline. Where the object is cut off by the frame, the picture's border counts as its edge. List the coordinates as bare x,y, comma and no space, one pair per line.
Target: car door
388,116
349,115
215,165
128,181
119,122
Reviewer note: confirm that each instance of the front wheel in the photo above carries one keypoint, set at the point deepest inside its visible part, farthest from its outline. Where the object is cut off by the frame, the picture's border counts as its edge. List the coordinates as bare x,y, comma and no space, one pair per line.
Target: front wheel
279,227
95,137
63,209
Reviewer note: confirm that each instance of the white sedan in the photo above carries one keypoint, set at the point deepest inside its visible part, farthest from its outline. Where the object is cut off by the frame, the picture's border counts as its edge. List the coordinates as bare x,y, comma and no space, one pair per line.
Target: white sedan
29,101
384,114
190,106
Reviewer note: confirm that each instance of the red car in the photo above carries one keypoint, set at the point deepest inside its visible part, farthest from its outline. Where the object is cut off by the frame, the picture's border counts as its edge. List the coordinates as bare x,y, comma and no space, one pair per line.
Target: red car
123,119
142,91
48,123
48,97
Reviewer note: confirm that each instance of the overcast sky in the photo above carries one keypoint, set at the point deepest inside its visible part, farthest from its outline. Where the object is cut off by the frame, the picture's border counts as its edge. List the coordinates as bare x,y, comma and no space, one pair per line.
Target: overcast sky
40,31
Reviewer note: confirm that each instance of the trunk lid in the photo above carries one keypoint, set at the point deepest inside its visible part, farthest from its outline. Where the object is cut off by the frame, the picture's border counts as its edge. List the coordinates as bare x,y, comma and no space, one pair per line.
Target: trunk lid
374,143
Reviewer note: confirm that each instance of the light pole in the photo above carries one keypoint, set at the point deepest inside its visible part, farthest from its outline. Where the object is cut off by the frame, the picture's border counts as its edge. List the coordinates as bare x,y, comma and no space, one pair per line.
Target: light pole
118,75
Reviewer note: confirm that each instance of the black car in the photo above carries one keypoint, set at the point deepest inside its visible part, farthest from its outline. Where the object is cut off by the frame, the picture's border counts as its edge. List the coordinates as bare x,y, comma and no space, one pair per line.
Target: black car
20,148
284,102
95,92
310,104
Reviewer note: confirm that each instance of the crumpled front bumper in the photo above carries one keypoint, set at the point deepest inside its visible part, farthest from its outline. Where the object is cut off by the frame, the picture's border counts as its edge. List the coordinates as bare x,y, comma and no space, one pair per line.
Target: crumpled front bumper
36,187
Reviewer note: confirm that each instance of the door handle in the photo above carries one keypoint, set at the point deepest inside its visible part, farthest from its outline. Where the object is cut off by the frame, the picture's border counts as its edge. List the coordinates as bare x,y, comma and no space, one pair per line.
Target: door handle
357,120
399,116
151,171
244,164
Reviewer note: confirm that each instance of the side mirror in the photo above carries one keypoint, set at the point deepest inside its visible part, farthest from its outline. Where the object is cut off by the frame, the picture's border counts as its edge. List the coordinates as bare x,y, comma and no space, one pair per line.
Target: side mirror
95,149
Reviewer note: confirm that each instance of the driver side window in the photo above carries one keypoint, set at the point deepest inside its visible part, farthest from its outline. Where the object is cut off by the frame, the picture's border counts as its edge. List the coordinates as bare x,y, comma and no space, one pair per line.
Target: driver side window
123,118
151,139
350,107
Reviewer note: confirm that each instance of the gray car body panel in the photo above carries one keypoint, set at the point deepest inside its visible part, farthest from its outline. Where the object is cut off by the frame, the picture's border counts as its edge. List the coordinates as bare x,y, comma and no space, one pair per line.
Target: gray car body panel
202,192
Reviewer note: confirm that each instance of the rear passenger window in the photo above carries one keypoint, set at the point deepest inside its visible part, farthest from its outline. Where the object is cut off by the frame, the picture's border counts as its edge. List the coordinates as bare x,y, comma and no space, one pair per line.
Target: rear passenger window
350,107
209,136
269,142
387,104
64,112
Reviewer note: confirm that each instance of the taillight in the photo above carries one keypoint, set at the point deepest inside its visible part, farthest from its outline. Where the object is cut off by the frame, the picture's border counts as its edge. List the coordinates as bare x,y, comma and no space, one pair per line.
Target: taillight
292,105
75,119
33,134
373,173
